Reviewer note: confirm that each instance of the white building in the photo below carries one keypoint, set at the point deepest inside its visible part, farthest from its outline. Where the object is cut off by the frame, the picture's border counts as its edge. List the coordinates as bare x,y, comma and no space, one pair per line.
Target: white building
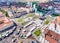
28,34
52,26
10,14
33,28
28,24
39,22
58,29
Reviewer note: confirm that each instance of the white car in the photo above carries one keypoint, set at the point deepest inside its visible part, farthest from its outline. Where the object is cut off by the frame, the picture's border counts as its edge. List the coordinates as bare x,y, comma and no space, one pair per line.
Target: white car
7,32
3,35
13,40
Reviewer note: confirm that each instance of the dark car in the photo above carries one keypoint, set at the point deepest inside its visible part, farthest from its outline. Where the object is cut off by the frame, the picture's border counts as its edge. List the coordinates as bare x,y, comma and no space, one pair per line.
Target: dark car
0,39
42,18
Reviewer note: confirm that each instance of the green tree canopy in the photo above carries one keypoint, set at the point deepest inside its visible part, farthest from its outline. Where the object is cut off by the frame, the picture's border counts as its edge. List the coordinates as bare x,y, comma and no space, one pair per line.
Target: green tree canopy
5,12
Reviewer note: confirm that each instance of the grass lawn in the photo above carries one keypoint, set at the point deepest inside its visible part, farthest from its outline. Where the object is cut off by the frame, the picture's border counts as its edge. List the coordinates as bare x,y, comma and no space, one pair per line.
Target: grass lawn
20,19
30,15
35,17
24,23
37,32
47,21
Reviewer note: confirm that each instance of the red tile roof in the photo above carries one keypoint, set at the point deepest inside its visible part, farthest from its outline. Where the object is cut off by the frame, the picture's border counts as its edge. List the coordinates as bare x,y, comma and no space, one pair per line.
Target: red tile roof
6,22
49,32
51,40
57,36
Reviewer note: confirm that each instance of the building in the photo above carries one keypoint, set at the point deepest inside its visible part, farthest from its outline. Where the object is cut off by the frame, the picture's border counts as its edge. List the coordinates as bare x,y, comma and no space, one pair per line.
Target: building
47,5
56,0
44,1
13,8
52,33
34,0
51,36
7,1
50,39
23,0
28,24
55,25
39,23
52,25
58,24
1,14
58,19
6,25
29,41
27,9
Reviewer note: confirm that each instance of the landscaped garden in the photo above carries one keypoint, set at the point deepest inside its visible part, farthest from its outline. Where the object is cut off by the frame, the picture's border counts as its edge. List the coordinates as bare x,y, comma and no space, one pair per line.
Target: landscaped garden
5,12
37,32
20,19
47,22
24,23
30,15
35,16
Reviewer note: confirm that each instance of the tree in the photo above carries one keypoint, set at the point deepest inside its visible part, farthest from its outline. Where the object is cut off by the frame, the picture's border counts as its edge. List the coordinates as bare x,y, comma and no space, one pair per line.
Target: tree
7,14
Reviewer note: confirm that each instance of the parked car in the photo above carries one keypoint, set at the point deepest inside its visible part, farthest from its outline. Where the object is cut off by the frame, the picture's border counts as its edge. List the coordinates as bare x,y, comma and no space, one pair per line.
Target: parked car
17,33
13,39
3,35
7,32
0,37
34,41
